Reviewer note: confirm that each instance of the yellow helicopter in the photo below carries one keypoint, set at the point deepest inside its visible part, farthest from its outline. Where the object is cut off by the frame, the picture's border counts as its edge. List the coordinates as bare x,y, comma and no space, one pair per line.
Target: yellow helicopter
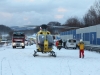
44,42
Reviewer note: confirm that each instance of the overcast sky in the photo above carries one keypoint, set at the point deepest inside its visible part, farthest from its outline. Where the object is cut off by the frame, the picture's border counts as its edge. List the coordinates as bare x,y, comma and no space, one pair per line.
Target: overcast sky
37,12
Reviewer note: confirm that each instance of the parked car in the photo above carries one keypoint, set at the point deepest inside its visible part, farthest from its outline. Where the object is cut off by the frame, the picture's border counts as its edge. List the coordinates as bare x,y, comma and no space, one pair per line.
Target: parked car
26,42
71,43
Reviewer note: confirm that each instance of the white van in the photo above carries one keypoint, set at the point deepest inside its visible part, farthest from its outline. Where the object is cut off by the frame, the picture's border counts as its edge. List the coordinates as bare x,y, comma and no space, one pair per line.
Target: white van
71,43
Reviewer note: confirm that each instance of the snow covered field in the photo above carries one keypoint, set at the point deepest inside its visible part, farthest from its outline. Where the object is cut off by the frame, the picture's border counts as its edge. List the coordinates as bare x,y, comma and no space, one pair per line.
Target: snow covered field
21,62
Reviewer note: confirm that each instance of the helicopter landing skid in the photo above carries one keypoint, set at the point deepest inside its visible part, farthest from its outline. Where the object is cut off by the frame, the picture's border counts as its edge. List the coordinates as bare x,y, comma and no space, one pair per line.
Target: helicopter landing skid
35,53
52,53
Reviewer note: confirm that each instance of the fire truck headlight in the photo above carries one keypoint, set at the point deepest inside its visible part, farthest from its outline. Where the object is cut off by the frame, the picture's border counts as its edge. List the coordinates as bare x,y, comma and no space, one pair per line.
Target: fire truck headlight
13,44
22,44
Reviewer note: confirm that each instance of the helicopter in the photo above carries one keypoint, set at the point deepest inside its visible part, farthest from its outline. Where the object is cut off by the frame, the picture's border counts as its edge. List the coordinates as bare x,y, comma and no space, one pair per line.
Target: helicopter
44,39
44,42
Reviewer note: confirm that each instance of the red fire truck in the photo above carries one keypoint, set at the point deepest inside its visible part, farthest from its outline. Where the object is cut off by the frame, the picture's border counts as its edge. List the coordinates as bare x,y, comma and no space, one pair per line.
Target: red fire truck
18,39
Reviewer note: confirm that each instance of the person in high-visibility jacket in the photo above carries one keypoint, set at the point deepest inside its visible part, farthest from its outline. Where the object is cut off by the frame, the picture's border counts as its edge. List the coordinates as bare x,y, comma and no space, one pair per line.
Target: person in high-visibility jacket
81,48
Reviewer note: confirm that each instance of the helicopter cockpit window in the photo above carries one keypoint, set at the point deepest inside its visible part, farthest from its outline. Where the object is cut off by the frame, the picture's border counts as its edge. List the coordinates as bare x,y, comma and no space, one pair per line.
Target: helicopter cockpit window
50,39
41,39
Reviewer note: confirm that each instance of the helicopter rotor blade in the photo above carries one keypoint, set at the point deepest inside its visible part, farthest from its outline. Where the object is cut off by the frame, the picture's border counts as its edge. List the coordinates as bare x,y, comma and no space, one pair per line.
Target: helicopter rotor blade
58,27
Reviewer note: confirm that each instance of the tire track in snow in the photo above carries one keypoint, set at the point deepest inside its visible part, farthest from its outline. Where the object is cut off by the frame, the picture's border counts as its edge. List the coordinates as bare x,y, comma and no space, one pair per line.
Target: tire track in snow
11,65
1,64
15,68
21,70
20,53
61,66
18,67
5,66
69,67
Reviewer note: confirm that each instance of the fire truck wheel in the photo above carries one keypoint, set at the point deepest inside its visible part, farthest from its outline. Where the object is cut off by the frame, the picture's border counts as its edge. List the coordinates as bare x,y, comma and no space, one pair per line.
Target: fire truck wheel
23,46
14,46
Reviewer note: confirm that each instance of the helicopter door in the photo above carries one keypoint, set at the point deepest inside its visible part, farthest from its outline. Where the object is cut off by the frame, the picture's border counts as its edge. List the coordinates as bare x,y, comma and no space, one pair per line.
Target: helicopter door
50,39
41,39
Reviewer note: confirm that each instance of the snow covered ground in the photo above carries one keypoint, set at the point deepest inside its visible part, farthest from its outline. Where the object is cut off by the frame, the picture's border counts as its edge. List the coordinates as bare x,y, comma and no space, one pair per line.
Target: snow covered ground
21,62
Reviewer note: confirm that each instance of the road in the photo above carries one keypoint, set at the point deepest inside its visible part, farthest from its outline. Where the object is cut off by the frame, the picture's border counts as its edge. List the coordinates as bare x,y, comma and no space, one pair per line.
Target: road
21,62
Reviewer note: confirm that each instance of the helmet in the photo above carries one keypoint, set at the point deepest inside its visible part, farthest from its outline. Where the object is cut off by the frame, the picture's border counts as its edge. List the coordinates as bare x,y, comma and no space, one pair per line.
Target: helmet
81,40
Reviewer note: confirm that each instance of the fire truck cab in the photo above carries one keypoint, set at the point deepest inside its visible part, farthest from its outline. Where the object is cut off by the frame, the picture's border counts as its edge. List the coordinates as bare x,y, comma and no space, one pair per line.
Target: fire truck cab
18,39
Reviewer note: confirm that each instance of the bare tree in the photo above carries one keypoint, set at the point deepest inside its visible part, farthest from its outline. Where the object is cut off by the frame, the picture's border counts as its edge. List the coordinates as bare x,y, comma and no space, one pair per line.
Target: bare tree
97,9
92,17
73,22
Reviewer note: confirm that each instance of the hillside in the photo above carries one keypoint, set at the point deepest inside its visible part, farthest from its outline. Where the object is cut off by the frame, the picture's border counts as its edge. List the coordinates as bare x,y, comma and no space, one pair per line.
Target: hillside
4,29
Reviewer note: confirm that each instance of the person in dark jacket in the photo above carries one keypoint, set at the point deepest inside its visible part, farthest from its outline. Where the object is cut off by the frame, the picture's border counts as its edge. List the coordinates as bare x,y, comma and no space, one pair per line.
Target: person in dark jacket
64,43
60,44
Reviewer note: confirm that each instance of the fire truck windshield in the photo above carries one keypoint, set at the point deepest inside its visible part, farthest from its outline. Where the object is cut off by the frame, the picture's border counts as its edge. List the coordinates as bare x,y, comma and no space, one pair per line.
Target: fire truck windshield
18,36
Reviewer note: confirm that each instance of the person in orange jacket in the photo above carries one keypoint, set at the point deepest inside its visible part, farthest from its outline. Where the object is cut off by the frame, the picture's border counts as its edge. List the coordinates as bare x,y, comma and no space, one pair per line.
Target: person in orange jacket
81,48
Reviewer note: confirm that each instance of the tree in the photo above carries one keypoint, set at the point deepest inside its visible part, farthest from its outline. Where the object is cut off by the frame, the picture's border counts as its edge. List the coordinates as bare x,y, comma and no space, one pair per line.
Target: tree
73,22
92,17
53,23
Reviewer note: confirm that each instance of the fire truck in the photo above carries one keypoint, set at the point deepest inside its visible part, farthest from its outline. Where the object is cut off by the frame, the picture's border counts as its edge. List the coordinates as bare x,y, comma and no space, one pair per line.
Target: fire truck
18,39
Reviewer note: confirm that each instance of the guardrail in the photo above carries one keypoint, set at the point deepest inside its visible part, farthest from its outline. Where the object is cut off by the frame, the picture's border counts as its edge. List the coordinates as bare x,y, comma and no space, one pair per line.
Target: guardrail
93,48
1,44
